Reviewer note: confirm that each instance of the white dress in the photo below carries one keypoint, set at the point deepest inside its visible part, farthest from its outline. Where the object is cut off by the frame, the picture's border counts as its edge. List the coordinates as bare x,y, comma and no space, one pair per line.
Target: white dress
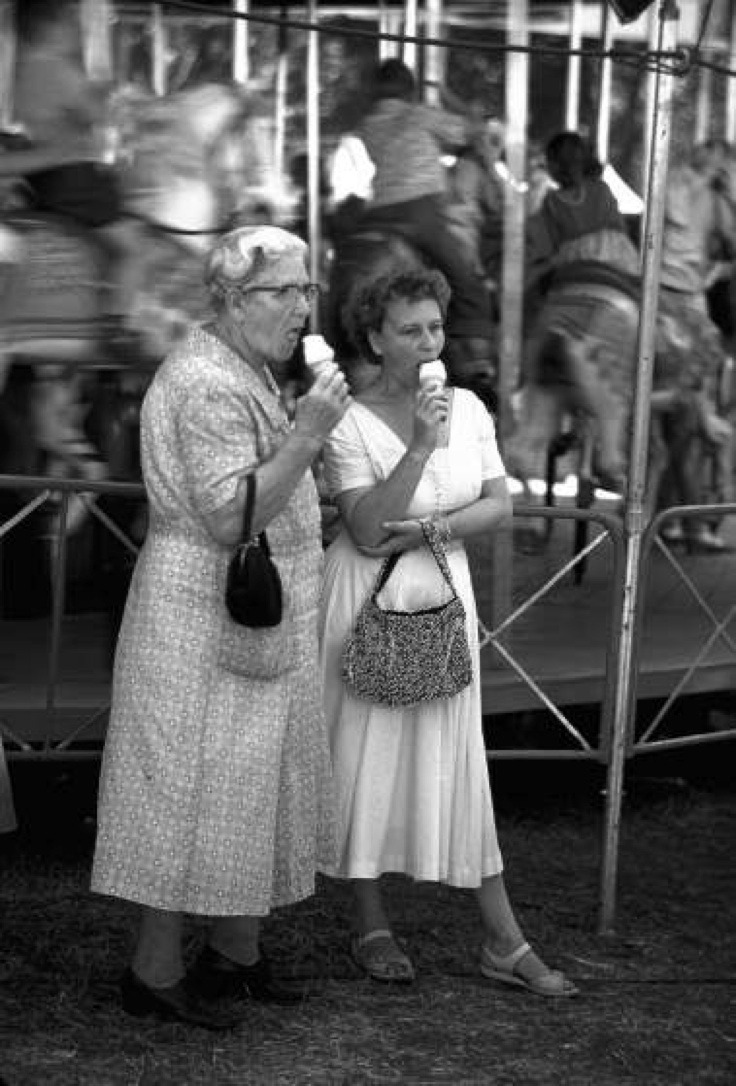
412,786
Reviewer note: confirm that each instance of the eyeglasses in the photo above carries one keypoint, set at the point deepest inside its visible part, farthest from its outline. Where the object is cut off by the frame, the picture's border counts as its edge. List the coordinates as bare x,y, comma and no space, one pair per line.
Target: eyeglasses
290,292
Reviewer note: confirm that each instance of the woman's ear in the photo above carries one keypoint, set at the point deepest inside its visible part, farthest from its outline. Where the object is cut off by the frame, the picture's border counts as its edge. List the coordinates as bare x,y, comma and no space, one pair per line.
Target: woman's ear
373,342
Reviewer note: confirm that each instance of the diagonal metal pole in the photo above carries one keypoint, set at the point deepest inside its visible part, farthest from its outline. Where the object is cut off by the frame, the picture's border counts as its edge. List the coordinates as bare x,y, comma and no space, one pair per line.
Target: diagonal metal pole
634,507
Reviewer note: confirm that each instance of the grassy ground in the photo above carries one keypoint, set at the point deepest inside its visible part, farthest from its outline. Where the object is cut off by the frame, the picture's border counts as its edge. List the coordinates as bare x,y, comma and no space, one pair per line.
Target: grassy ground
656,1003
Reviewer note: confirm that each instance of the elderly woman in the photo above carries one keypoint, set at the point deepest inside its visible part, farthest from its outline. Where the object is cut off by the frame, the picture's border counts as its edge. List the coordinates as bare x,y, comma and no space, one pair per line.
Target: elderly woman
215,780
412,782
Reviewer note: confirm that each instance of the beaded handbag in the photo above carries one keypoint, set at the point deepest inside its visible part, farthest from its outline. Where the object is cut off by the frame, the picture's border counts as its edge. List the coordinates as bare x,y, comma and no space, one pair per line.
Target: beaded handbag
408,657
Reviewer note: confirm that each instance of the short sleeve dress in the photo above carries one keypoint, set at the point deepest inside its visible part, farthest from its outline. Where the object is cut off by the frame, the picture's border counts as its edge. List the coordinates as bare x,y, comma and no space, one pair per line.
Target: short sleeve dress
215,792
412,788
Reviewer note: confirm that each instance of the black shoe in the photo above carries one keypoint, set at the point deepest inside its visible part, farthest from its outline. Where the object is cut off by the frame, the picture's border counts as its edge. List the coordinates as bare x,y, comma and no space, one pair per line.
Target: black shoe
178,1003
215,976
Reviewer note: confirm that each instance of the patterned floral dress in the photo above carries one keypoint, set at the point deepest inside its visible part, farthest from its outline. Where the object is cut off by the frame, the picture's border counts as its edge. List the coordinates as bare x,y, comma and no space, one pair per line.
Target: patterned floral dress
215,789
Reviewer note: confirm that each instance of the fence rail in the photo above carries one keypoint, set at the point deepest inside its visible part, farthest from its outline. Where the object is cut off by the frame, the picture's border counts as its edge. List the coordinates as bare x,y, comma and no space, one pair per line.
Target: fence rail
74,731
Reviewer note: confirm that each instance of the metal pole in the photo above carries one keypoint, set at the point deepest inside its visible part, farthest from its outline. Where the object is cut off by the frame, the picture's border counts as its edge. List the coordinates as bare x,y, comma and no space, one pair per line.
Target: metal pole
280,95
517,94
704,100
409,48
572,95
434,55
730,121
313,164
95,16
241,68
603,118
158,32
625,659
7,61
652,40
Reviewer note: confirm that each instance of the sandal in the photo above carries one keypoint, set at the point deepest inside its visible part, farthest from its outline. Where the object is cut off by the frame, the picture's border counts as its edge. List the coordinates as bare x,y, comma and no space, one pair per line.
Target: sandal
551,983
382,958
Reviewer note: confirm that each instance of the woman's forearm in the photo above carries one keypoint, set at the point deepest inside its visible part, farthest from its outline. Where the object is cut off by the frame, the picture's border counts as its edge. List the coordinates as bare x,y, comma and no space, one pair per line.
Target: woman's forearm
388,500
483,516
276,481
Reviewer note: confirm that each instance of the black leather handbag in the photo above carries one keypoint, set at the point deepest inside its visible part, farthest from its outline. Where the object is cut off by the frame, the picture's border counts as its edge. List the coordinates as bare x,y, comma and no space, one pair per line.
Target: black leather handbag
253,595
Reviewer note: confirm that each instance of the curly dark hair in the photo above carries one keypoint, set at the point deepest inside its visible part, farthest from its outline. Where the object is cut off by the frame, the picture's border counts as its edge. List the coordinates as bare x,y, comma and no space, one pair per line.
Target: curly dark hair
365,309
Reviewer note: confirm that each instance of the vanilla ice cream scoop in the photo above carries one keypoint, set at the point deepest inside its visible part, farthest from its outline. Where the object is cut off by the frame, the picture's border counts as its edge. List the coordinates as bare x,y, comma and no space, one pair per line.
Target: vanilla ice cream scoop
317,352
433,374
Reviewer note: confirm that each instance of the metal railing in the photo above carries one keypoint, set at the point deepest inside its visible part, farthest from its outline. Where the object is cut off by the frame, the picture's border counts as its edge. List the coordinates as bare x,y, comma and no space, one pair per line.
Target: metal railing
57,494
653,543
612,531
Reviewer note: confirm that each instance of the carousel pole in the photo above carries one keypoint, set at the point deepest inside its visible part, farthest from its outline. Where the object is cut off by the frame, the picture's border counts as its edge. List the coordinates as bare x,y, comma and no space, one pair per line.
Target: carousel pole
624,702
313,162
241,67
517,98
280,95
704,99
572,95
409,48
434,55
730,119
495,577
603,117
7,61
96,20
384,27
158,34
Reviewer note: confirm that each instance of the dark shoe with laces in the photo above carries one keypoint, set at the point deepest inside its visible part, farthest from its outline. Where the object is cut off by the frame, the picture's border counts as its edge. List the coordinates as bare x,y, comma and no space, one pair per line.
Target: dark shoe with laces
217,977
177,1003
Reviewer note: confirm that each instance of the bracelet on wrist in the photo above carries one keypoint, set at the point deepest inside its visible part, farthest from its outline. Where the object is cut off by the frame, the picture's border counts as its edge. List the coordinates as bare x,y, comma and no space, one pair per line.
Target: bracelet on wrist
442,526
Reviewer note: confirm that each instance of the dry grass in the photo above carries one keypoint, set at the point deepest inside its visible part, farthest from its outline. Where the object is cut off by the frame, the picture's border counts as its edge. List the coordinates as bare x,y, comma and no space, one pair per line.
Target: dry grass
657,999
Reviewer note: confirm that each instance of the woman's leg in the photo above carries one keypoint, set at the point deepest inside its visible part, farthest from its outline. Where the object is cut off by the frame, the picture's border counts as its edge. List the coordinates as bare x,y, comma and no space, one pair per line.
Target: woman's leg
506,954
158,959
375,948
236,937
370,912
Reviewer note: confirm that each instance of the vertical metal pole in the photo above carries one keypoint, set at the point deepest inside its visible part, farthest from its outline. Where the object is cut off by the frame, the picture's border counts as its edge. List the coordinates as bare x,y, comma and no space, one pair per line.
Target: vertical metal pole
512,278
409,48
313,163
241,67
7,61
572,94
652,41
158,33
95,16
625,661
434,55
517,92
603,118
385,48
730,119
280,94
704,104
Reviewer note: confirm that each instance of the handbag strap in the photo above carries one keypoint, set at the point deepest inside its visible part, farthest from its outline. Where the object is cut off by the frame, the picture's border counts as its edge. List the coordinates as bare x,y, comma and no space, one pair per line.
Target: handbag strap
250,499
433,541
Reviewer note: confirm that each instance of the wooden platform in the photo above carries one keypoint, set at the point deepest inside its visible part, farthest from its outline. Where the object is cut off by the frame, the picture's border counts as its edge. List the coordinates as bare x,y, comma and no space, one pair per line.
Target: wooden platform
561,642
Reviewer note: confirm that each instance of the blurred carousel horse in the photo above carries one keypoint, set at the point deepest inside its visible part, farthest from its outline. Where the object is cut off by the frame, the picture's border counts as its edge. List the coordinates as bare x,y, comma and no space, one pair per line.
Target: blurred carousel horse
578,385
189,165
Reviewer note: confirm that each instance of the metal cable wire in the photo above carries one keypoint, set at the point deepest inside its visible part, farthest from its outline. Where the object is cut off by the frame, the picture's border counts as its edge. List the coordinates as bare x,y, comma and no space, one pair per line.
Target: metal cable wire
678,61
